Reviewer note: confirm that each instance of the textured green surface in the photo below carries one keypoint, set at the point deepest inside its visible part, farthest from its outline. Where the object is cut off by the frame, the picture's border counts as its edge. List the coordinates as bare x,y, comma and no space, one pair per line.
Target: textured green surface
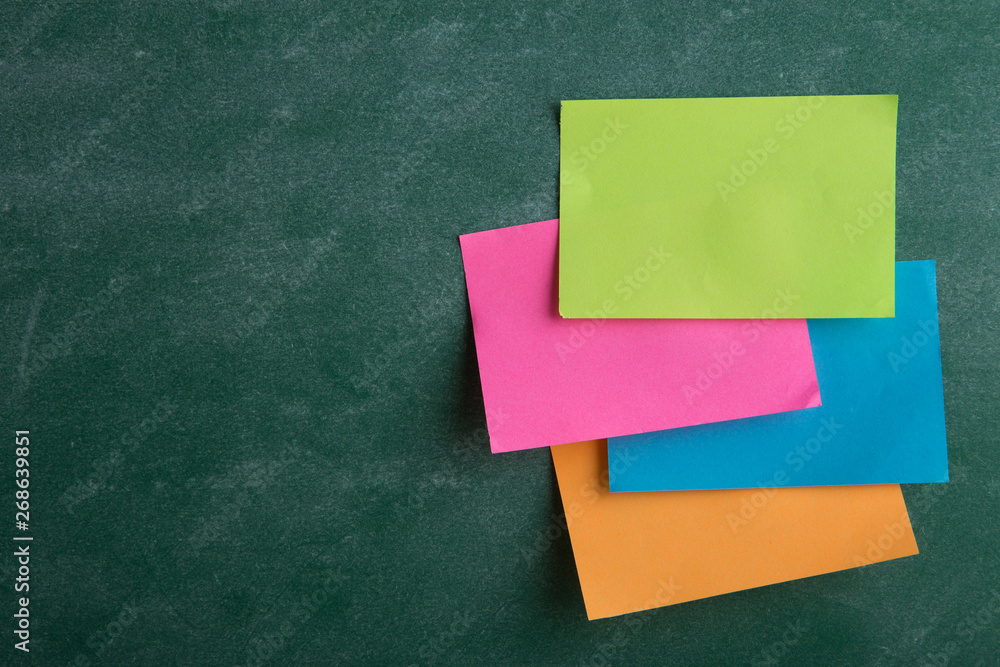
233,317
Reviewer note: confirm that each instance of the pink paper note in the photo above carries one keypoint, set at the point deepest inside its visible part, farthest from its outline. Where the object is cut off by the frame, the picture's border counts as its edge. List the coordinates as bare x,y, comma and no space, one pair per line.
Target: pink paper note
549,380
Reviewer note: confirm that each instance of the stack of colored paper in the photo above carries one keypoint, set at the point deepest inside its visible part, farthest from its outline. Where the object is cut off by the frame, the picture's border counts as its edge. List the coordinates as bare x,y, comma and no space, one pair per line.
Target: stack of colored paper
732,371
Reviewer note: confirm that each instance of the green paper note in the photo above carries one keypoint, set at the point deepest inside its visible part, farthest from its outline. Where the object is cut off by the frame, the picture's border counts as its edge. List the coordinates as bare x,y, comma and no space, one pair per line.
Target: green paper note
728,207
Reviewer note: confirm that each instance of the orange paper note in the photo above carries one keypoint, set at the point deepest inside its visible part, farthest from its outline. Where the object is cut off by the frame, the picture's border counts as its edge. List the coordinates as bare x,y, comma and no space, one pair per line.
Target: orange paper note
638,551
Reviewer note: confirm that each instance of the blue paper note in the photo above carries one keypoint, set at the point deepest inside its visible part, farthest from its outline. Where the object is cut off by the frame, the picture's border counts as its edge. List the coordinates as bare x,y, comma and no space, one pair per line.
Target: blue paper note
881,422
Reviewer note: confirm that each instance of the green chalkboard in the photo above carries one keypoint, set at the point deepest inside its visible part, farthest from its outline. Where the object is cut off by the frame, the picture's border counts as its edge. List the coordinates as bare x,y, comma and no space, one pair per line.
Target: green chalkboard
234,324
